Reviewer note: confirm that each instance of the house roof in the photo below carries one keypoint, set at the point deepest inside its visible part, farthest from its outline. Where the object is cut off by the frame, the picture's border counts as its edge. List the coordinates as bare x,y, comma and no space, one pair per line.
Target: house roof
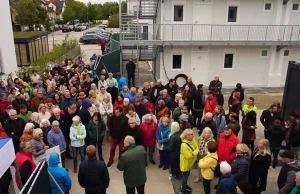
59,5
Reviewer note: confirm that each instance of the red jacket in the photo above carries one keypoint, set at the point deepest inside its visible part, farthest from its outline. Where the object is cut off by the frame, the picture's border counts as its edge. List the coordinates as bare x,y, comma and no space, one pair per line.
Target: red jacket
4,105
227,148
210,105
2,133
149,131
21,157
150,106
117,104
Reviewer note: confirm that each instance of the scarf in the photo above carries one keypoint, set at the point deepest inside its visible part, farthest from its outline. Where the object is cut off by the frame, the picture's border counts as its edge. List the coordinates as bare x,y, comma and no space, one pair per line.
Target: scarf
203,146
78,133
106,106
96,122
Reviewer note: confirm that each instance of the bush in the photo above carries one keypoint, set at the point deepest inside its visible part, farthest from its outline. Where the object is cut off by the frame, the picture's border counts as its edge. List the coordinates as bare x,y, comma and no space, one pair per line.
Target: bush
113,21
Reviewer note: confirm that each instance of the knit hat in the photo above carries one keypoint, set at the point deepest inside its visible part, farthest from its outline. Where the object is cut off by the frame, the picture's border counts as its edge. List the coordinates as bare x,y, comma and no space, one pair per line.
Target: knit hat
245,187
86,104
81,95
184,117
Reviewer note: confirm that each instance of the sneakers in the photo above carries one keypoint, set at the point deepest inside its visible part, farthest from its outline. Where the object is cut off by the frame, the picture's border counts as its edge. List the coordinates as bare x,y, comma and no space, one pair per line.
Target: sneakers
271,168
185,192
188,188
152,161
197,180
109,164
160,166
75,170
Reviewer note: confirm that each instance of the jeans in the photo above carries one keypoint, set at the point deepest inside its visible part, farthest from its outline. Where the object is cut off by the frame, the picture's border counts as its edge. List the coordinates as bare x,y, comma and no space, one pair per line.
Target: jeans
175,161
75,152
164,157
131,77
99,146
206,185
275,153
113,145
250,144
295,151
151,151
185,177
131,190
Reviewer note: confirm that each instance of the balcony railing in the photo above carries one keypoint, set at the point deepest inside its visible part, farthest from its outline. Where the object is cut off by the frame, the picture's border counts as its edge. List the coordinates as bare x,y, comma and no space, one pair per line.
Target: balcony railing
212,33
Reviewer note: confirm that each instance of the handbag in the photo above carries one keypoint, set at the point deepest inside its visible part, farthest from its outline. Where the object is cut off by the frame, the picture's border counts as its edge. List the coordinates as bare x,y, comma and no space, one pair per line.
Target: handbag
158,145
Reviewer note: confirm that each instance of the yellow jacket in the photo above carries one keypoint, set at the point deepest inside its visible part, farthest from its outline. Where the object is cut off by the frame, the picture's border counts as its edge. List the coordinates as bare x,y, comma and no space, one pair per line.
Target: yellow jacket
187,155
208,165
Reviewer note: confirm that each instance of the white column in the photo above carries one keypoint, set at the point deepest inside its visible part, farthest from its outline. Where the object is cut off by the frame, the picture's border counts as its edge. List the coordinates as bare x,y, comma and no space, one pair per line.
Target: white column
278,16
8,57
273,80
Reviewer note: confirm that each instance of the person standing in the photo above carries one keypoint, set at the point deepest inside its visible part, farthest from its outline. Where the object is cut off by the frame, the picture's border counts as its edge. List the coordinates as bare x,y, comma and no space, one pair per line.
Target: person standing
296,189
38,146
93,175
211,103
249,127
295,138
241,164
133,163
250,106
135,131
267,118
130,68
191,85
227,183
188,151
172,88
118,126
60,175
36,101
162,138
121,81
198,105
215,84
174,147
259,166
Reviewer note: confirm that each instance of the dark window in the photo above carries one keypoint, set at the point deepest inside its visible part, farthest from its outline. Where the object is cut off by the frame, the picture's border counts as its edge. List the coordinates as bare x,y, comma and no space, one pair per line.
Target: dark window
295,6
178,13
268,6
228,61
264,53
286,53
177,61
232,13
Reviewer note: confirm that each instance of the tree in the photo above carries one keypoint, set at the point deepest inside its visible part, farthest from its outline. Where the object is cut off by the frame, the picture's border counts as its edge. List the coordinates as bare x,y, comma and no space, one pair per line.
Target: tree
124,6
69,14
113,21
27,13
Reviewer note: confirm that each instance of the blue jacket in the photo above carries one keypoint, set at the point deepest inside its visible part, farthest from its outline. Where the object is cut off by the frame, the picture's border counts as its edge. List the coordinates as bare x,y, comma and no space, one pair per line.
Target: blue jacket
56,138
162,135
60,175
131,97
227,185
121,83
65,102
77,140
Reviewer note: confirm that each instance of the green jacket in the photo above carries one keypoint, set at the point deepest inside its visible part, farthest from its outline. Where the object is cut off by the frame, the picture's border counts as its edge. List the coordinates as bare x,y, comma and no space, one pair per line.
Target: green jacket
175,142
96,131
176,114
133,163
296,190
26,117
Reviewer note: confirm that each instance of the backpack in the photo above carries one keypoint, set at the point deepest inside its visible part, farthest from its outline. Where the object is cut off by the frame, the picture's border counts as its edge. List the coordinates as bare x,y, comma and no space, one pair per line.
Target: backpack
217,172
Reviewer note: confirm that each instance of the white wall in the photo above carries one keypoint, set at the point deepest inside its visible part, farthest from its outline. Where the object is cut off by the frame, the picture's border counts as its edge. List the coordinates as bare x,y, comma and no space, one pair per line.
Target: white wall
295,15
8,60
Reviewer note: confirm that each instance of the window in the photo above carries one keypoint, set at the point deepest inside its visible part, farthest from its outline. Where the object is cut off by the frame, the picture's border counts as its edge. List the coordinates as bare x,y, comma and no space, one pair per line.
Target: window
264,53
295,7
268,6
286,53
232,14
178,13
228,61
177,59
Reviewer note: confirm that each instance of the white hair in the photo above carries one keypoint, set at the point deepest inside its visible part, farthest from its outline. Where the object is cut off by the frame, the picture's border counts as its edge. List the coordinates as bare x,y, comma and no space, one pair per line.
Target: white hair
44,121
11,112
56,110
129,139
36,132
209,114
147,116
76,118
207,130
55,123
35,117
28,126
126,99
174,128
225,168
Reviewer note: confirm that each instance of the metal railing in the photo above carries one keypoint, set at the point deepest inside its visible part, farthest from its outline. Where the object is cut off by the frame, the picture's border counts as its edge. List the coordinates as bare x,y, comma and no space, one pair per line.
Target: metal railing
210,33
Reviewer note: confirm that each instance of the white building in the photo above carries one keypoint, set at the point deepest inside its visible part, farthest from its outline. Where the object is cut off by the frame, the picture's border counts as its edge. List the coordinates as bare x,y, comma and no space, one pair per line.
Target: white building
8,63
246,41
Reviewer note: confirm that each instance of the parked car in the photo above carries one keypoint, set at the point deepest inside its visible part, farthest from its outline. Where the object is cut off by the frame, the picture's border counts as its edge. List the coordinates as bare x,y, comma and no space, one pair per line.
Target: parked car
92,38
103,26
77,28
65,28
72,27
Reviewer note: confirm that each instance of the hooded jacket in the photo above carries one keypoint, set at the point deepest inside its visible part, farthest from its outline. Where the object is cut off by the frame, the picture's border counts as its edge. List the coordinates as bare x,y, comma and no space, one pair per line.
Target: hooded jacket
162,135
149,131
77,140
175,143
60,175
240,167
286,177
187,155
227,147
208,164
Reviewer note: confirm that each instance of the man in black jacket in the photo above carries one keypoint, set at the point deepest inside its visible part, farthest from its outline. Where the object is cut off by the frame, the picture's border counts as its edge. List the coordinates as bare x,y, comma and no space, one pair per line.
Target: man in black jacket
198,105
295,138
93,175
113,91
207,122
130,68
118,126
139,108
190,84
172,88
135,132
215,84
268,117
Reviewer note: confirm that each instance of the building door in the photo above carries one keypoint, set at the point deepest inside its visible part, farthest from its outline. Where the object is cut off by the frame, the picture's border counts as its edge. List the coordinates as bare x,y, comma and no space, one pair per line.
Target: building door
145,32
199,70
202,14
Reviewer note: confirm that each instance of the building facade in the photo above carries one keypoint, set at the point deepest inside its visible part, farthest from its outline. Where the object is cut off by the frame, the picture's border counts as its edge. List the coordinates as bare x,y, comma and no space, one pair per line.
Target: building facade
246,41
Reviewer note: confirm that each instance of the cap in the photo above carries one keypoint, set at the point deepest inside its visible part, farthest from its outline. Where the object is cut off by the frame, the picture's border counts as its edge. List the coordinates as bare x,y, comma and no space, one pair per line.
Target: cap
9,107
287,154
184,117
227,127
17,93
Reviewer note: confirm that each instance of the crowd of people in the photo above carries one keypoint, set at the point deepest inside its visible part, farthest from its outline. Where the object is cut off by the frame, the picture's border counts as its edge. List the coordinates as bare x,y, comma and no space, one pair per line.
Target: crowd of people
70,110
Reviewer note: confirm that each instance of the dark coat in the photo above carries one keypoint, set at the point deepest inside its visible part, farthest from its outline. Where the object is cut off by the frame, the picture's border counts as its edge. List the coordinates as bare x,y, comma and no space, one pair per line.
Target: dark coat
137,134
35,103
220,99
175,143
295,135
276,135
118,127
140,110
242,94
130,68
198,101
14,129
247,130
240,167
267,119
93,176
191,85
96,131
227,185
113,92
17,102
172,90
156,90
215,84
69,117
211,124
133,163
286,177
85,117
258,173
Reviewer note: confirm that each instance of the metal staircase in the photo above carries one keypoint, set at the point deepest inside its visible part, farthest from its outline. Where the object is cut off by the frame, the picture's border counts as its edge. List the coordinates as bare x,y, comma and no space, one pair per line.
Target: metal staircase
148,9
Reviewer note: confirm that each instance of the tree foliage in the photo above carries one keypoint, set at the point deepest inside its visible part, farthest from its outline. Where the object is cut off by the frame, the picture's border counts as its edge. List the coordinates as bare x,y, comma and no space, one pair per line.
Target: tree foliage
29,12
113,21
